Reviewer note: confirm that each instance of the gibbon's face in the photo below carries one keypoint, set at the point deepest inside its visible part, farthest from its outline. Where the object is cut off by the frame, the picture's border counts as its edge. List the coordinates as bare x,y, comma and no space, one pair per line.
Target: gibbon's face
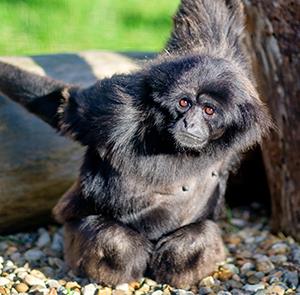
205,102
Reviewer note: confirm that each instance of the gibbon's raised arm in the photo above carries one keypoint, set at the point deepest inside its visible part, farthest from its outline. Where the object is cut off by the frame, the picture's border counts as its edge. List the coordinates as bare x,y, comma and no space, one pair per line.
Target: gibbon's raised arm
72,111
207,25
40,95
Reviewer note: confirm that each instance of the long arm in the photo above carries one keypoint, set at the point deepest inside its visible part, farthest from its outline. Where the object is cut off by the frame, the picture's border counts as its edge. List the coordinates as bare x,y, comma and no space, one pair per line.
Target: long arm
40,95
86,115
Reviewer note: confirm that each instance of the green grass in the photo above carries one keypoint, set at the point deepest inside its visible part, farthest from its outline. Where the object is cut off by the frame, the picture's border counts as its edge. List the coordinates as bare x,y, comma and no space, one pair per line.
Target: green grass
47,26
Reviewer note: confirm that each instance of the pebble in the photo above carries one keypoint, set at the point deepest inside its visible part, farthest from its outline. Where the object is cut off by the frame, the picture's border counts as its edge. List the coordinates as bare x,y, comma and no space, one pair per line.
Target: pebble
264,264
205,291
253,288
89,289
33,255
247,266
4,281
44,238
33,281
57,243
21,288
208,282
258,263
275,290
291,279
279,248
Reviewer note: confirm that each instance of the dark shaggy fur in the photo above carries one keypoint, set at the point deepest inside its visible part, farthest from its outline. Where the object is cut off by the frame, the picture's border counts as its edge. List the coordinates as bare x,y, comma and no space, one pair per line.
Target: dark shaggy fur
158,143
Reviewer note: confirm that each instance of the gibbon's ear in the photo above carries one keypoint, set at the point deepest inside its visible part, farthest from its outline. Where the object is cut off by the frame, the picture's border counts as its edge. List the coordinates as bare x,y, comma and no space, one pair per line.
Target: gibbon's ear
42,96
207,25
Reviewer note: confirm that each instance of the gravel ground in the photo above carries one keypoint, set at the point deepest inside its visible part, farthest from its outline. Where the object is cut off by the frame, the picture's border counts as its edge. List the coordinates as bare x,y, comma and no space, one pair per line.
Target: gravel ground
258,263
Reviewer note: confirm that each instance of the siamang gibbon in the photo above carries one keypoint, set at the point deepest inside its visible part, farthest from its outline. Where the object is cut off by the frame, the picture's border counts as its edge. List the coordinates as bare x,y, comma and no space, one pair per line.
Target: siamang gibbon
159,144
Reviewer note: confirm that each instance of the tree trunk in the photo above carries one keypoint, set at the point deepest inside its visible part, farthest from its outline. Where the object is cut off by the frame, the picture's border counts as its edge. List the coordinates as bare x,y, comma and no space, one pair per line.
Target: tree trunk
274,46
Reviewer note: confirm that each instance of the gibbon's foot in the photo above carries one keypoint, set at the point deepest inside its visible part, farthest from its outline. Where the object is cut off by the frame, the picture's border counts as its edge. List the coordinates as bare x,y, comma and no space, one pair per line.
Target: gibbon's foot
105,251
185,256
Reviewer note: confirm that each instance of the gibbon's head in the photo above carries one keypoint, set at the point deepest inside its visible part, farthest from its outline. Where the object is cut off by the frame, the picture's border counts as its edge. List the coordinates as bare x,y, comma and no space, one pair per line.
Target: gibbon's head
207,103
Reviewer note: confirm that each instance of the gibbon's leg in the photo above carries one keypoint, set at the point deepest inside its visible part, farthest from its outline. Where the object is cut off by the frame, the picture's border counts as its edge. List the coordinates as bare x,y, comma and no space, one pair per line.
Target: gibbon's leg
105,250
190,253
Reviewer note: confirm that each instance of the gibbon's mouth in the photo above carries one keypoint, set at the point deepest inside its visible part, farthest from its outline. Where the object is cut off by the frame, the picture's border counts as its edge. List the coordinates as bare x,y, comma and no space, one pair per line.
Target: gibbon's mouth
189,140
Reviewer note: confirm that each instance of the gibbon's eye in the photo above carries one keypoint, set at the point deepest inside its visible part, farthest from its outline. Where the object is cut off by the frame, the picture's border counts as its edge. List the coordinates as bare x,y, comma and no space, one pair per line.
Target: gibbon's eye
184,103
208,110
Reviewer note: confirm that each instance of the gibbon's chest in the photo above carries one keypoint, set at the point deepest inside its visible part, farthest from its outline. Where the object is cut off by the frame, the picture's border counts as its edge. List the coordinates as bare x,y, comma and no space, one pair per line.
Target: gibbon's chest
188,198
162,209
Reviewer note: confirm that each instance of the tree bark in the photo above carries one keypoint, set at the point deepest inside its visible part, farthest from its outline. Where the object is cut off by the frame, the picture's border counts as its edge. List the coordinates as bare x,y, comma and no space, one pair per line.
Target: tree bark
274,45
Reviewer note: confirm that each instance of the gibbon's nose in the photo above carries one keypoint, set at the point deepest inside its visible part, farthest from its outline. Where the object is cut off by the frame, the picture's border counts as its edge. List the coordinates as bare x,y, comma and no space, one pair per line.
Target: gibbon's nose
196,126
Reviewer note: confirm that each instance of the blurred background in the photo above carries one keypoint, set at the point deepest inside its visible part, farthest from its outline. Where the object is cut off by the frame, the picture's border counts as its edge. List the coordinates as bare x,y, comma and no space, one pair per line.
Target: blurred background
50,26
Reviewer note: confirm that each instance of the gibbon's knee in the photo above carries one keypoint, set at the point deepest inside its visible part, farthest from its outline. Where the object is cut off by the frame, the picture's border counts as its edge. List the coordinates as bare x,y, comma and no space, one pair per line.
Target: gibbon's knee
187,255
106,251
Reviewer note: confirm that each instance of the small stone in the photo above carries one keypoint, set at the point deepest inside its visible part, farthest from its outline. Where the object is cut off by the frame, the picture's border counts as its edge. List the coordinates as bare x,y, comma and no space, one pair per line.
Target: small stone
3,291
275,290
231,267
121,292
253,279
53,284
291,279
22,274
39,290
48,271
33,281
253,288
57,242
44,238
56,262
246,267
123,287
278,259
72,285
145,288
105,291
16,257
22,288
279,248
89,289
223,293
238,222
295,255
52,292
134,285
62,282
237,292
208,282
38,274
205,291
224,274
9,266
150,282
4,281
33,255
264,264
158,292
233,284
